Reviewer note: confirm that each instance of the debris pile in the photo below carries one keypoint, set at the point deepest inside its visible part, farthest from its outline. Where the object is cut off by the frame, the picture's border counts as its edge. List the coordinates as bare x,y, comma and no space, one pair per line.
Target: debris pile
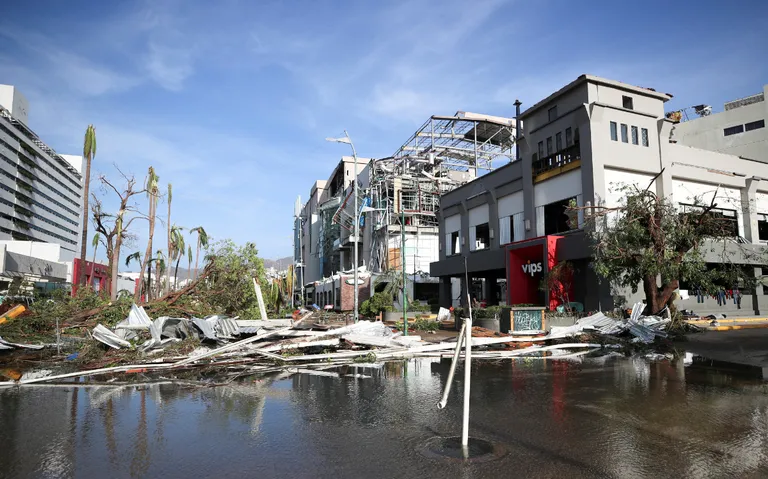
231,347
645,329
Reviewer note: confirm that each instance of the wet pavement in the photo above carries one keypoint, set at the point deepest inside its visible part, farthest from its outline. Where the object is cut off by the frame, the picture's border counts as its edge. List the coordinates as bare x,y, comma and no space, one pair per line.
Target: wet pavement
615,417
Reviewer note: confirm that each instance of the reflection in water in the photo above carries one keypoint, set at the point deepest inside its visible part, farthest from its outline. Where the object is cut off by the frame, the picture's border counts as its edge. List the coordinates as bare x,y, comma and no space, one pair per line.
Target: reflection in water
614,418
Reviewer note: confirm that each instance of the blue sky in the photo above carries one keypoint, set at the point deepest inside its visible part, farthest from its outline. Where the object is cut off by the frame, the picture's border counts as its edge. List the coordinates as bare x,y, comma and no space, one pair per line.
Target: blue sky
231,100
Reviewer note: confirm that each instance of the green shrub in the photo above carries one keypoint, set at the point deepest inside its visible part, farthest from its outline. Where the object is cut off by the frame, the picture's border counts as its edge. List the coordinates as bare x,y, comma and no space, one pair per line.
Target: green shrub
420,324
376,304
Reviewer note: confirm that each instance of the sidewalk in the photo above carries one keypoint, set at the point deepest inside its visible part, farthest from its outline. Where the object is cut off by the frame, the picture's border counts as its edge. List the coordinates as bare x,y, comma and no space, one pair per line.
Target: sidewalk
732,324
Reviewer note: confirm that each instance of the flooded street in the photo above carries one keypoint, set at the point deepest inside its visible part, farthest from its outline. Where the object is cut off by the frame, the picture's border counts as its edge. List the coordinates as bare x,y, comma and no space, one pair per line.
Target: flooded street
595,418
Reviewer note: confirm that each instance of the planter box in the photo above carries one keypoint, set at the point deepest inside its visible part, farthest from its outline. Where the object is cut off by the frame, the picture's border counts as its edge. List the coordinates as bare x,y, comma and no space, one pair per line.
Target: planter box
398,315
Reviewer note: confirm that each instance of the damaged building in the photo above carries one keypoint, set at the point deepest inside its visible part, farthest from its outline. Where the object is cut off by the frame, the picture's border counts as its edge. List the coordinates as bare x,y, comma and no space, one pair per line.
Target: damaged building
580,145
399,204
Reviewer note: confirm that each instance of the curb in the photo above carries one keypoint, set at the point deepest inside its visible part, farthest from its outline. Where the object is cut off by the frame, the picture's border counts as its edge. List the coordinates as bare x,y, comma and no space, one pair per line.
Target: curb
737,327
733,320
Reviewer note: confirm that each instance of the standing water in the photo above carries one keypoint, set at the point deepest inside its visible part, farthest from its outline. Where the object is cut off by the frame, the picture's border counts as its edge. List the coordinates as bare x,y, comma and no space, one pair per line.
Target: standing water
541,418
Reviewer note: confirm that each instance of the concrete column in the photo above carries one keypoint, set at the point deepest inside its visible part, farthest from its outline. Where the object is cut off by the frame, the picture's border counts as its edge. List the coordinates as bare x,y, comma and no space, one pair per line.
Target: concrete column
592,169
489,290
529,211
757,292
749,209
664,182
464,233
493,218
463,300
444,292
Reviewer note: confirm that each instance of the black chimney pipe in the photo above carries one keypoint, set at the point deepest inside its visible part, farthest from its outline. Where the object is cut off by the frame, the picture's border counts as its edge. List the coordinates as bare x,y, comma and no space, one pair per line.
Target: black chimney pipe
517,129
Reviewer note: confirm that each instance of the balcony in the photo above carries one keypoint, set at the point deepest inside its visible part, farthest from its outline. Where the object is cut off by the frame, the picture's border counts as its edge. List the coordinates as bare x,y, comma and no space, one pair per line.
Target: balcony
560,162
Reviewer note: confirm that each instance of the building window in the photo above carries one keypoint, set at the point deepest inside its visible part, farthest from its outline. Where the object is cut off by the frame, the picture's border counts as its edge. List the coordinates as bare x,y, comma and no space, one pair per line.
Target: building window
626,102
541,149
733,130
614,131
455,245
482,237
576,136
506,228
634,135
624,134
556,219
549,146
762,227
644,132
338,297
552,113
727,218
568,137
754,125
558,141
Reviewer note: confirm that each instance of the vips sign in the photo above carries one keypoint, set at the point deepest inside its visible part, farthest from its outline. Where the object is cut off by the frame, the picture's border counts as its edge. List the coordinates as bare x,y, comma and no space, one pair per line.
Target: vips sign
532,268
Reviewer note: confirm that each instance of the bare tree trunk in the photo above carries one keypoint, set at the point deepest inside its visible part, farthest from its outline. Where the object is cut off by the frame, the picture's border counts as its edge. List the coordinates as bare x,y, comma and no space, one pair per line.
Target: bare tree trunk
148,284
84,241
176,272
93,264
148,253
158,285
657,298
189,271
197,255
114,266
168,268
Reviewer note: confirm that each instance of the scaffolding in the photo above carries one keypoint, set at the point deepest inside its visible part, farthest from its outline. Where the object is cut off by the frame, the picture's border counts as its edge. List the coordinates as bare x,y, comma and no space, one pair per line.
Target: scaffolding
405,189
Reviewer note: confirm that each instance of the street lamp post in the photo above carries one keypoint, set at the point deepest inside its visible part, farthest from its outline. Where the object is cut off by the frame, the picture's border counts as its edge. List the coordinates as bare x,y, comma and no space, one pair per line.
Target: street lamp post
346,139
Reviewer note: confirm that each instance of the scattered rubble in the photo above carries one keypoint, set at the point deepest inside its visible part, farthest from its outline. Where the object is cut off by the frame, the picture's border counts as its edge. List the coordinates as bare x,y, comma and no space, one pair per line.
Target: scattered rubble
231,347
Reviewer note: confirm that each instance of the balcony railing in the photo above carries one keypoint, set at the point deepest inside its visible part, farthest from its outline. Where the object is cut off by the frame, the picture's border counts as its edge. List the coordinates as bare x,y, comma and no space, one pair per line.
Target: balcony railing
557,160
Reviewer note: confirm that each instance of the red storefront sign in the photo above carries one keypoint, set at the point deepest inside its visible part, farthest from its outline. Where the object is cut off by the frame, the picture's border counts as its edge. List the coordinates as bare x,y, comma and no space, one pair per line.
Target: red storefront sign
528,262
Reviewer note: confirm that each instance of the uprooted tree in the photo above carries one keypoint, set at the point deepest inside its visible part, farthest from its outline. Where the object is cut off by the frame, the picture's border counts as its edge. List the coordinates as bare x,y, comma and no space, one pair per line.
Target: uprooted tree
647,241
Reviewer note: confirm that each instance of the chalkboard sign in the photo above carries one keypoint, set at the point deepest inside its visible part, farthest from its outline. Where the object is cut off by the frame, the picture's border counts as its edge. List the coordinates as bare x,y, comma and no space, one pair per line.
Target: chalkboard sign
527,319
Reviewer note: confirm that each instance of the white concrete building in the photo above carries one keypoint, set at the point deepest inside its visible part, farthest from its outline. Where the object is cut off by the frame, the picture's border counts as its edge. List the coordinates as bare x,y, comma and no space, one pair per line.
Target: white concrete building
738,130
40,190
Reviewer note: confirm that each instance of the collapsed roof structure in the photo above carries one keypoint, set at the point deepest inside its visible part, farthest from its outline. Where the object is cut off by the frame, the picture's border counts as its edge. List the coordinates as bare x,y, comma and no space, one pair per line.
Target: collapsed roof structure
404,190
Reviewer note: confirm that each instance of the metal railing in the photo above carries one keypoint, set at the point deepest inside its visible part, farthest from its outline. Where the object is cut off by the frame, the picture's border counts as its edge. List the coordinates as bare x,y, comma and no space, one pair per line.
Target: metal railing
557,160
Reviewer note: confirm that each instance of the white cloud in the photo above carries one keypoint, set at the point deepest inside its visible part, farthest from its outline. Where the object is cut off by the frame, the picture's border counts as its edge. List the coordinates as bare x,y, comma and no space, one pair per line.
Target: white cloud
169,66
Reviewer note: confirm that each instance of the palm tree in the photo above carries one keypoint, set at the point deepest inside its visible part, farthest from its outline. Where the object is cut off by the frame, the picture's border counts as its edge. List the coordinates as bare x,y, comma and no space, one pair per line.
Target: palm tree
152,196
178,246
135,256
95,244
159,270
202,240
189,262
170,239
89,151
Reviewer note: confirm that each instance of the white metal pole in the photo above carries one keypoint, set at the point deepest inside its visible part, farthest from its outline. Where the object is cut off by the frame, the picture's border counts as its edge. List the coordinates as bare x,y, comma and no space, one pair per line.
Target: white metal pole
357,223
467,365
456,353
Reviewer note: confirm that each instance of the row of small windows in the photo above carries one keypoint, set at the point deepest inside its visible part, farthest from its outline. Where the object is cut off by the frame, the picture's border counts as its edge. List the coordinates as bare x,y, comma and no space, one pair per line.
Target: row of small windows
33,215
38,191
734,130
625,130
38,204
75,183
570,139
58,192
37,228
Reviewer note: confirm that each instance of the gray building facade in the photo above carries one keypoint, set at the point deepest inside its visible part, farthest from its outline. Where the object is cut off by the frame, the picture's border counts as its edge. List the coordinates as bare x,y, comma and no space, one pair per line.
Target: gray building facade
581,145
40,190
738,130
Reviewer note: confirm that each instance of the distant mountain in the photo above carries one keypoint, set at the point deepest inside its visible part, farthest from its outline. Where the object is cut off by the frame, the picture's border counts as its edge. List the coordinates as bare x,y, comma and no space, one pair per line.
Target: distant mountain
279,264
